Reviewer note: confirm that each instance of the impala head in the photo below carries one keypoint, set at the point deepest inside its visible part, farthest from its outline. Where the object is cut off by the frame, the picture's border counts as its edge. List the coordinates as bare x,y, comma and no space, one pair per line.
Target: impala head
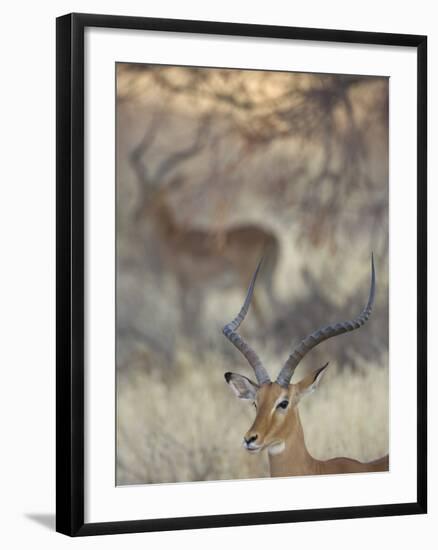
275,408
276,402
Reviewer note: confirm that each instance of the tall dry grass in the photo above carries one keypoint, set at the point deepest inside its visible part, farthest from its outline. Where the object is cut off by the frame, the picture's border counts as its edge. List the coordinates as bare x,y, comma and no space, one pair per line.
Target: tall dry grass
189,427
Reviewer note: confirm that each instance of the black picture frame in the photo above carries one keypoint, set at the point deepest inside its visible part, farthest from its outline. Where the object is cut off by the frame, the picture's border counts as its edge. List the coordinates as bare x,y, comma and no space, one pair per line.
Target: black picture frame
70,273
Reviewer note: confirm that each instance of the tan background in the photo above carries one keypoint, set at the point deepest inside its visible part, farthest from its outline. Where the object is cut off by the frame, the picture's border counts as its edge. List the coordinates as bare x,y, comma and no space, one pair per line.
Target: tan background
215,167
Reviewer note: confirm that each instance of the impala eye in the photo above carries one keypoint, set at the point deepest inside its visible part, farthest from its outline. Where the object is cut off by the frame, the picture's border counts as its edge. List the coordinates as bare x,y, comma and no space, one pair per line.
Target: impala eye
255,406
283,404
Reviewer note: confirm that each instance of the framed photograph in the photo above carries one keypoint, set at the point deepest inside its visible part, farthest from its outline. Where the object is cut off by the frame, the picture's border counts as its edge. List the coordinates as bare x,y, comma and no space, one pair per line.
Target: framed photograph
241,274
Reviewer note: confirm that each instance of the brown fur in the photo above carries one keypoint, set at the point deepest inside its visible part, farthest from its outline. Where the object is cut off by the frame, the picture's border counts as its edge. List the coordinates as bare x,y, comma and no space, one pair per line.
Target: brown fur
281,432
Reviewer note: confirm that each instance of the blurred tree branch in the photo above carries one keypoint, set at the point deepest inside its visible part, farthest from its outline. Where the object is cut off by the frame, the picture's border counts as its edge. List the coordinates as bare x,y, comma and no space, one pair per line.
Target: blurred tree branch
259,109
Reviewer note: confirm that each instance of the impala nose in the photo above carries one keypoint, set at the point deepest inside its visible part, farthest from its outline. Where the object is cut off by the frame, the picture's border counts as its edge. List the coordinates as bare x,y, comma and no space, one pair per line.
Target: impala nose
249,440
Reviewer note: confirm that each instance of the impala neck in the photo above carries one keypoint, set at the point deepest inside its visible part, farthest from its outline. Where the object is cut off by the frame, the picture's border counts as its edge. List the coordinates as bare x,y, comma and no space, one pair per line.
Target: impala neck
293,458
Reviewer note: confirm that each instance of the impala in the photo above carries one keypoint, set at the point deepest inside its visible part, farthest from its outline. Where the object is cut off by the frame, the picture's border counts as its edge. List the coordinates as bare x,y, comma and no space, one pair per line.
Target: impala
277,426
218,249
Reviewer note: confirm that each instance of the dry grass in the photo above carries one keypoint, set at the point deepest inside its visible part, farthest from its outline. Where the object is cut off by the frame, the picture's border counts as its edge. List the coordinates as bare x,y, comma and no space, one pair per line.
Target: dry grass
348,415
190,427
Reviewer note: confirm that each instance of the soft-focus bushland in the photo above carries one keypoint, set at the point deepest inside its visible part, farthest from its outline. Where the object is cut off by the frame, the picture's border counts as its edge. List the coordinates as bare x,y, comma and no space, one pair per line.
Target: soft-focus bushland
216,168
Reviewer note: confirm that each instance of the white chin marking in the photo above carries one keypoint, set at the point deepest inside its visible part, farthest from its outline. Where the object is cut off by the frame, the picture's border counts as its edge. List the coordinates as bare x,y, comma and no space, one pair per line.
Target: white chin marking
276,449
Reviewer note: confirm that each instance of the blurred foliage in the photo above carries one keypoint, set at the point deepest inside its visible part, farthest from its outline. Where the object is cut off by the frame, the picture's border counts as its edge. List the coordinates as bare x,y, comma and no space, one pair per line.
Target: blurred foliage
215,168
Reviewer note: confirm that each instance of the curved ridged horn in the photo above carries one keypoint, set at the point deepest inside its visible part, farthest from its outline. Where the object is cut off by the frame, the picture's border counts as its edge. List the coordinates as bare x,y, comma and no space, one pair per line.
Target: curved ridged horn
325,333
230,332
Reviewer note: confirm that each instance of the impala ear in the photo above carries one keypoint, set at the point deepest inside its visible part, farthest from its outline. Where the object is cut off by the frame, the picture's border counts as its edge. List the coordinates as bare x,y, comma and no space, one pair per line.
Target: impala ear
311,382
242,386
